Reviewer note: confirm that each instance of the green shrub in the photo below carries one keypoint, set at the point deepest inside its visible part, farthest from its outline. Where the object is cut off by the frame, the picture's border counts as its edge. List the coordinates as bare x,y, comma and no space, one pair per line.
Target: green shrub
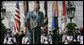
71,27
3,32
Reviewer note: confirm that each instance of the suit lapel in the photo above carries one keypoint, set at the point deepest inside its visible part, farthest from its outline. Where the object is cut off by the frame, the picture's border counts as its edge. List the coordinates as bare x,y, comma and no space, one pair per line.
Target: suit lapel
33,13
38,13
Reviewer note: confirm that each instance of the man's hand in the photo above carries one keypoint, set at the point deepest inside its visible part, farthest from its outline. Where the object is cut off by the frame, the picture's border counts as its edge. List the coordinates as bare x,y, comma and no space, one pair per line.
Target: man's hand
40,24
27,24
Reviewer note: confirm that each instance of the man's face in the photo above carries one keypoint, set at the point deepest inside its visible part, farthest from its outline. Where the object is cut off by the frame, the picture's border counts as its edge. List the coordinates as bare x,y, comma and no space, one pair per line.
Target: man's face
36,8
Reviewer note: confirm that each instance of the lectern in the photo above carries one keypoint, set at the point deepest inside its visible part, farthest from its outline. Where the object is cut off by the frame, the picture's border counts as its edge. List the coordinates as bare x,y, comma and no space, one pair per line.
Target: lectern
33,24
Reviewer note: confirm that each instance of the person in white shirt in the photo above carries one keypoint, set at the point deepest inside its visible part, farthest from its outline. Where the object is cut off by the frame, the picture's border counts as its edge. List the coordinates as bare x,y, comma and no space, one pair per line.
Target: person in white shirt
50,37
70,39
10,39
25,39
44,39
64,38
80,38
67,38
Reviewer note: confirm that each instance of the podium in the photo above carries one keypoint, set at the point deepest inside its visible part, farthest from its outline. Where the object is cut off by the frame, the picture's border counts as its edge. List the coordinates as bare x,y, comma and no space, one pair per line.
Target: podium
33,24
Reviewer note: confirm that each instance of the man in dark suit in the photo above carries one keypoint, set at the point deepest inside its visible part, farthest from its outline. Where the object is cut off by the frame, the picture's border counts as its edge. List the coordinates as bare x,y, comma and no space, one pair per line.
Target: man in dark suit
37,16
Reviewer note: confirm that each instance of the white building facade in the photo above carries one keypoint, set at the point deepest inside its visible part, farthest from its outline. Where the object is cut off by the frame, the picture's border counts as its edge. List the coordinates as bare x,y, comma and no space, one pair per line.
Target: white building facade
10,12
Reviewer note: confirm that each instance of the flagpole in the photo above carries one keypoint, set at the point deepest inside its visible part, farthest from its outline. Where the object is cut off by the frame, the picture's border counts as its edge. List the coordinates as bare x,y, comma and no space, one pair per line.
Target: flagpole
27,6
26,9
57,21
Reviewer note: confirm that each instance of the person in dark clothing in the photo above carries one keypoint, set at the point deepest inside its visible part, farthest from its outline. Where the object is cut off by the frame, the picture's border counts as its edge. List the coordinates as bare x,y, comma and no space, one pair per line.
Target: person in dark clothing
75,36
16,36
54,37
21,36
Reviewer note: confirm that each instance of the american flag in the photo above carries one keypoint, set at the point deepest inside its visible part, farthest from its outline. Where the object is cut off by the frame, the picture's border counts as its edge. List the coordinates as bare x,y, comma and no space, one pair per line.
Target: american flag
16,27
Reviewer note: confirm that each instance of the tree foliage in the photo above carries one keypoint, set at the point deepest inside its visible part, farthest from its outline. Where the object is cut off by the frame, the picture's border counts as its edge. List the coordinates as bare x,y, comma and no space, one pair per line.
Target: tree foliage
71,27
3,32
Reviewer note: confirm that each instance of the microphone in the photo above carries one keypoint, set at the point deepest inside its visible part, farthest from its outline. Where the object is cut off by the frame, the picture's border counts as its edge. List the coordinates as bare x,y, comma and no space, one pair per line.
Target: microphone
33,17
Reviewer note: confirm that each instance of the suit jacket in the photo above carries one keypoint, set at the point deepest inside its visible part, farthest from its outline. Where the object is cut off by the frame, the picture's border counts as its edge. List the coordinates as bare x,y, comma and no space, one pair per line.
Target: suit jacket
31,13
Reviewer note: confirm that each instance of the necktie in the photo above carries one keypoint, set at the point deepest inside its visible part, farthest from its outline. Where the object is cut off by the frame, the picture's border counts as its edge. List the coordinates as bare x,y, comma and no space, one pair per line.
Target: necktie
36,15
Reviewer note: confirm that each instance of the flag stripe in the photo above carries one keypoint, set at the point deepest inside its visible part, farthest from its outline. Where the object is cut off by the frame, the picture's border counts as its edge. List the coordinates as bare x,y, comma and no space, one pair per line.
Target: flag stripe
14,28
17,16
17,11
17,27
16,19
